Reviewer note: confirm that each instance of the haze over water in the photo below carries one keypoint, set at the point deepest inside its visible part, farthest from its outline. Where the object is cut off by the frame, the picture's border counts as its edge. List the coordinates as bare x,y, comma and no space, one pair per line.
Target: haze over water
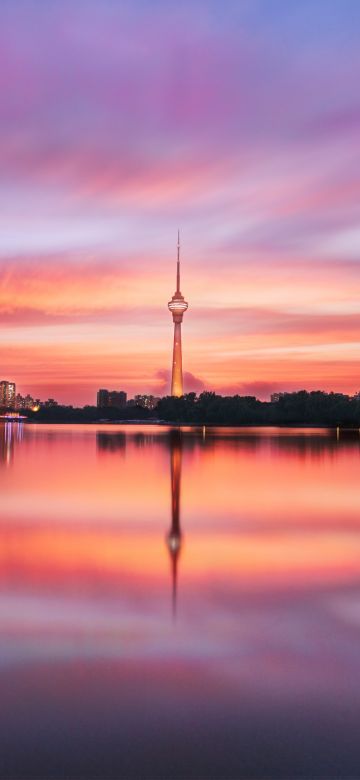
253,672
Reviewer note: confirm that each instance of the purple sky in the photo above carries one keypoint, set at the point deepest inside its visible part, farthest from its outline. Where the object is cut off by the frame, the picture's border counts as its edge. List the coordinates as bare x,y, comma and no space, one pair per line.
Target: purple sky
121,121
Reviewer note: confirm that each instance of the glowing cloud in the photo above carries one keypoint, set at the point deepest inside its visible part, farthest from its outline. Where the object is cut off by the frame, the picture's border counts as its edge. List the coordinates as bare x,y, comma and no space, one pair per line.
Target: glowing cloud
120,122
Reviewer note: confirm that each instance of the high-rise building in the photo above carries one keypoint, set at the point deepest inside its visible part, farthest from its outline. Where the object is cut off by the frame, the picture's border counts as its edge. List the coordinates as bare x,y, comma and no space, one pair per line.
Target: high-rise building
19,401
7,394
146,401
102,398
113,398
117,398
27,402
177,306
50,403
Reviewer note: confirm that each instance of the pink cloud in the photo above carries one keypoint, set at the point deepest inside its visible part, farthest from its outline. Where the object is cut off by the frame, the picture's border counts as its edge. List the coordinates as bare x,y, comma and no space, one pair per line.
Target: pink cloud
191,383
144,118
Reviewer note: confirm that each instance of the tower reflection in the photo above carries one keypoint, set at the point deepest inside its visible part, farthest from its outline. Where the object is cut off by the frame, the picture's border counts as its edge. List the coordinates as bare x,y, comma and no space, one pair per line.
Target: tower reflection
174,537
9,434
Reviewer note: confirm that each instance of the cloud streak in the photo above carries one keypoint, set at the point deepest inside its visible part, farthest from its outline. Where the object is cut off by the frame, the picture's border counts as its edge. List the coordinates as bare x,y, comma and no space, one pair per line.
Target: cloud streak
120,123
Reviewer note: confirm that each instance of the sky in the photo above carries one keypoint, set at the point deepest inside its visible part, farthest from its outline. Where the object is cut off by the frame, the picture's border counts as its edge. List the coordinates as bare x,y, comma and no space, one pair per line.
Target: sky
238,123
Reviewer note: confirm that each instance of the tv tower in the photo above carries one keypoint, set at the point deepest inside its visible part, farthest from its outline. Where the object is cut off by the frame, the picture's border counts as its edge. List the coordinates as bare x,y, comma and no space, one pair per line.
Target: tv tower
177,306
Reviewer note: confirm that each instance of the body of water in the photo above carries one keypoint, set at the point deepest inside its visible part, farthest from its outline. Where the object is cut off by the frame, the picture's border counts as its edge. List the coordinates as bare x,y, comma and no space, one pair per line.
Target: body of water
179,603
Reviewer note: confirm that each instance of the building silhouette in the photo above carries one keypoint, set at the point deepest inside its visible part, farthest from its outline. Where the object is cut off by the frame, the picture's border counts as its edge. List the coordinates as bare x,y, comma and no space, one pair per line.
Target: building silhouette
7,394
146,401
27,402
113,398
177,307
174,537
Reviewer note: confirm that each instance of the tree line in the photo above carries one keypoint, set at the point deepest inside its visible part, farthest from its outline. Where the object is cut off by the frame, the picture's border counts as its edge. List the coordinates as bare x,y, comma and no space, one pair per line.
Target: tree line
299,408
208,408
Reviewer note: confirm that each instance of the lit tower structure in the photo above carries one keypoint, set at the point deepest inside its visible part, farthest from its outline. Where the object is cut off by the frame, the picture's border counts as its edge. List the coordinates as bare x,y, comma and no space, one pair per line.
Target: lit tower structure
177,306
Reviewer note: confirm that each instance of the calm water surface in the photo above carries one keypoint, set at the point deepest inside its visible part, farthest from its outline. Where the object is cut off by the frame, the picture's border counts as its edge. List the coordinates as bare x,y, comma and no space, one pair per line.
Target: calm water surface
179,604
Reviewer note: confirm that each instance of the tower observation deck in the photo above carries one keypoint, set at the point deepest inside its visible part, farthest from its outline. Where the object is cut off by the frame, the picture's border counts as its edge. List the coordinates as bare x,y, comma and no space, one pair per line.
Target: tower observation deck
177,307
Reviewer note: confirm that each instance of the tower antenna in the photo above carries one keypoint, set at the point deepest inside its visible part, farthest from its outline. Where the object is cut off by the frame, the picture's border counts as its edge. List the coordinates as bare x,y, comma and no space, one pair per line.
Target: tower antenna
177,307
178,264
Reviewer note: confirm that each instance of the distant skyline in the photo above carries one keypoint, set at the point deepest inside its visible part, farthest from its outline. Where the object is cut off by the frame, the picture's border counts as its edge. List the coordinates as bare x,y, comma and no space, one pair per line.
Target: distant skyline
238,122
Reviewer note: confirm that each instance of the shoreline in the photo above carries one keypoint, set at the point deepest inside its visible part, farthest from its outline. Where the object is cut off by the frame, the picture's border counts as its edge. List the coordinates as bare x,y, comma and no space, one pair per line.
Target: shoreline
183,424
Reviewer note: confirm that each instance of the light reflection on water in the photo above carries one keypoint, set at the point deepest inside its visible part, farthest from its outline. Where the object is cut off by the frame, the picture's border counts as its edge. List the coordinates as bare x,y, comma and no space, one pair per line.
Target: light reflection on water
179,603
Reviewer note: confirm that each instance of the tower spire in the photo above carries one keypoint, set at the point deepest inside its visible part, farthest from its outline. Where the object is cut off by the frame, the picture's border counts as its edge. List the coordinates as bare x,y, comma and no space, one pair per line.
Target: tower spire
178,264
177,306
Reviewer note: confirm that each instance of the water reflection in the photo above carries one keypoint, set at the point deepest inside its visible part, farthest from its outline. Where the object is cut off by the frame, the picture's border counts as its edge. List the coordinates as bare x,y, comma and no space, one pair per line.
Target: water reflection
110,442
10,435
302,442
174,538
259,676
173,441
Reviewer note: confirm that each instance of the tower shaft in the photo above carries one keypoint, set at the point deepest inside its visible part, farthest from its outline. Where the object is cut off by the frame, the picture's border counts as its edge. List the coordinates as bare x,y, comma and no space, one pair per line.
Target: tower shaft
177,376
177,307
